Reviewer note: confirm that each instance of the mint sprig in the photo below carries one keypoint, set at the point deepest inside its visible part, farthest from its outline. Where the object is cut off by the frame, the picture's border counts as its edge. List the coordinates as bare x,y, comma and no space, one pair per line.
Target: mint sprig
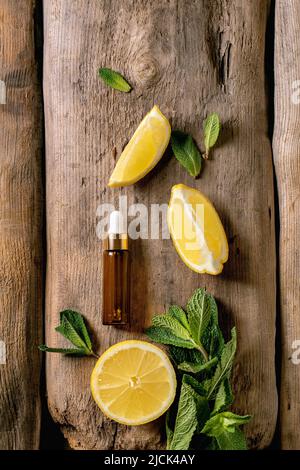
199,418
73,328
211,129
185,149
114,79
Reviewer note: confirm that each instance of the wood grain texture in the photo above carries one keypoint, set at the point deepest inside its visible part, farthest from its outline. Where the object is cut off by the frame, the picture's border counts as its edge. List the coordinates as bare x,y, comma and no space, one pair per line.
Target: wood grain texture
190,58
286,146
20,229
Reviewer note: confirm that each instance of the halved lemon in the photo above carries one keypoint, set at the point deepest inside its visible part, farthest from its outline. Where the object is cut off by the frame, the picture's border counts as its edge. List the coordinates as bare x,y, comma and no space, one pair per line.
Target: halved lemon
196,230
144,150
133,382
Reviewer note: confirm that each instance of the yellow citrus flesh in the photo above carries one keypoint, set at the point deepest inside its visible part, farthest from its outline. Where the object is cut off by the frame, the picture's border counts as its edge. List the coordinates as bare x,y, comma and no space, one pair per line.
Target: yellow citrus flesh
133,382
144,150
196,230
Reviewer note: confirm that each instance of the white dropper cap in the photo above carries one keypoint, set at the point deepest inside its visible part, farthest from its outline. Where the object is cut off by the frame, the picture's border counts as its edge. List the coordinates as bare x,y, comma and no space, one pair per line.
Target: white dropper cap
116,223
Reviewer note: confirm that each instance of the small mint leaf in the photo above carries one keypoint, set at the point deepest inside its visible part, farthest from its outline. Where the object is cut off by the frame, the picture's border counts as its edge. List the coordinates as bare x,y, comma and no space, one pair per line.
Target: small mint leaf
196,386
224,397
114,79
195,368
199,313
69,351
166,336
78,323
224,367
171,323
180,315
67,330
186,152
211,128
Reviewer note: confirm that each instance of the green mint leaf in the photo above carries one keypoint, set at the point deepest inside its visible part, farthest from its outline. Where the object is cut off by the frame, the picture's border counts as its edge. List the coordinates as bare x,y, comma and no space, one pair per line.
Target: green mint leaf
224,366
169,431
180,315
199,394
232,440
180,355
173,325
186,152
69,351
196,368
72,327
67,330
216,341
212,339
173,332
224,397
196,386
186,419
211,128
230,420
77,321
114,80
224,427
166,336
199,313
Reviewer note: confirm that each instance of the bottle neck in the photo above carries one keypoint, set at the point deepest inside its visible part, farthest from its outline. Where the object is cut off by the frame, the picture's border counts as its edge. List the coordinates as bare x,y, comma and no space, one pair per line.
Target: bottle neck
116,241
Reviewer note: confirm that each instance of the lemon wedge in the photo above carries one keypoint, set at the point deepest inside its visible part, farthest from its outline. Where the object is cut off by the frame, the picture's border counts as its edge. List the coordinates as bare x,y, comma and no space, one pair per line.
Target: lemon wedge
143,151
196,230
133,382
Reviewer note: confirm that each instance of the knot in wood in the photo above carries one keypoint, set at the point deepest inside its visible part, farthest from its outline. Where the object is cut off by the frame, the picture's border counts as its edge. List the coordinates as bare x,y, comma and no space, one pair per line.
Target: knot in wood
146,70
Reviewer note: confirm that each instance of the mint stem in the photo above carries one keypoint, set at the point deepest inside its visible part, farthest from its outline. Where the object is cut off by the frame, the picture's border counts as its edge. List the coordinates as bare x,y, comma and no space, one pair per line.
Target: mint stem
202,350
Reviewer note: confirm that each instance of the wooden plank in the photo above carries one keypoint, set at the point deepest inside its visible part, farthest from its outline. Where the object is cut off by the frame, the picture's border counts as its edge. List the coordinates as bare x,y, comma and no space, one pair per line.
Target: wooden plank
20,229
287,163
190,59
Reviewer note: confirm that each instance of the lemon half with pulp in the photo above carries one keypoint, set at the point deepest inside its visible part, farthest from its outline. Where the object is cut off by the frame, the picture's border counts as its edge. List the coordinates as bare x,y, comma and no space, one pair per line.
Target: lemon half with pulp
133,382
196,230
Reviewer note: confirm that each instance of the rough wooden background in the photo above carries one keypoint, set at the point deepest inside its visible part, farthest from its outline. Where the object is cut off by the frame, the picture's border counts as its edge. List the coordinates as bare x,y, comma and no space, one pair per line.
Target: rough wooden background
190,58
286,145
20,229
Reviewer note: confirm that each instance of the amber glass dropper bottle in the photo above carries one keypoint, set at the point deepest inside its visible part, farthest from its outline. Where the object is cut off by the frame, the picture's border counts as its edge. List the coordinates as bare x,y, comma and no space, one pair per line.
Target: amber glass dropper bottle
116,273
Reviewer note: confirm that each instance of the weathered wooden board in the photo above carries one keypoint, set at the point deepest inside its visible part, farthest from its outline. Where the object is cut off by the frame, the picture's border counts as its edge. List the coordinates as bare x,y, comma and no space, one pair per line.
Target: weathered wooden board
190,58
20,229
286,146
